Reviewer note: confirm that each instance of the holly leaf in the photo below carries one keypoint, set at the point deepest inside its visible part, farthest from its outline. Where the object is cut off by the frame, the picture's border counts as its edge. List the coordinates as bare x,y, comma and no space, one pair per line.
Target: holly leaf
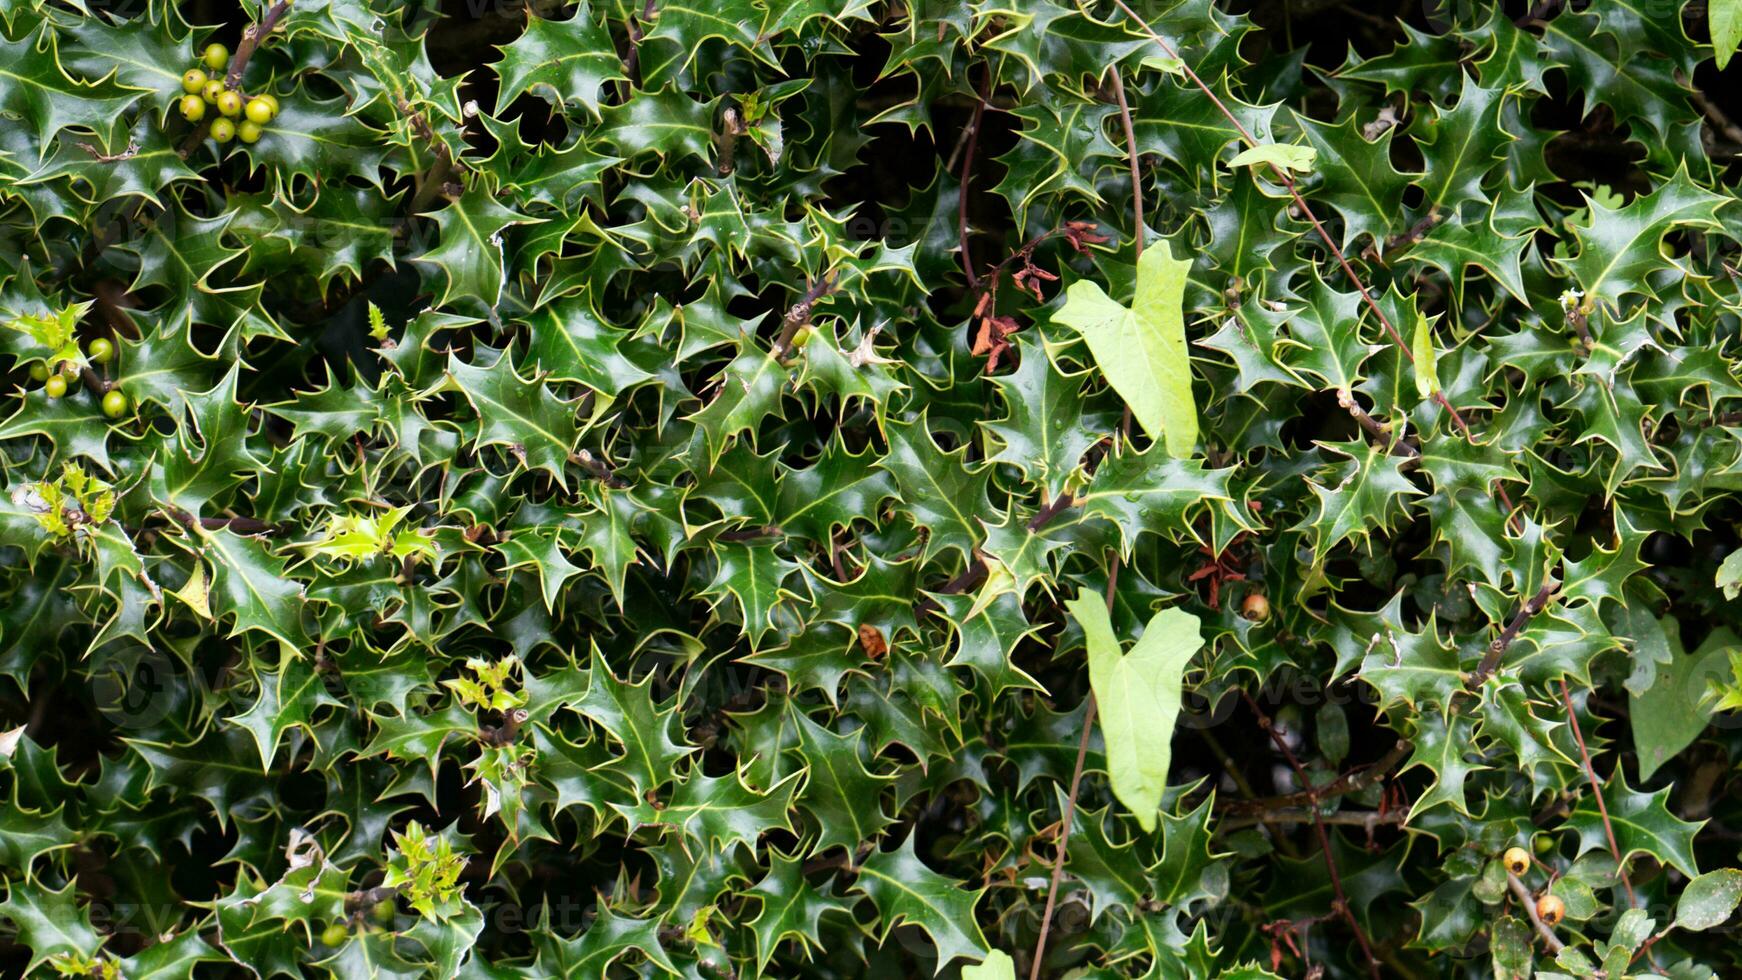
469,251
522,415
1621,247
906,891
287,699
49,922
790,908
1049,426
939,490
560,60
251,589
1642,824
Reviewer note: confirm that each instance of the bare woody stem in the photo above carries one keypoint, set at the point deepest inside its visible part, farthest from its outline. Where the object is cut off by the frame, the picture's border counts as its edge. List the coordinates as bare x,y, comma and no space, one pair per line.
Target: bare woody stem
1352,782
632,64
1366,819
240,525
1059,504
432,182
1550,941
1131,157
1341,898
799,315
598,469
252,37
1379,431
359,902
96,385
1052,510
1580,321
726,140
1497,649
1398,244
508,731
965,182
1597,790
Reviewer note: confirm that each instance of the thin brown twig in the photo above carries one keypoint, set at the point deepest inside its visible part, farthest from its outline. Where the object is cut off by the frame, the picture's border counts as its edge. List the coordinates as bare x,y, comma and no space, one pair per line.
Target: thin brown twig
1597,789
99,156
1340,898
1716,116
1550,941
359,903
1131,156
800,313
431,183
95,384
726,140
1398,244
1379,431
238,525
1045,515
1366,819
1069,816
598,469
109,295
1497,649
252,37
966,181
1353,781
632,64
1027,250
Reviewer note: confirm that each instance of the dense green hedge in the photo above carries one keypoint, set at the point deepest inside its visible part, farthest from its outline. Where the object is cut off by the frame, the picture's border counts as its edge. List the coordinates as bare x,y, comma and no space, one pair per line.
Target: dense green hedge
651,487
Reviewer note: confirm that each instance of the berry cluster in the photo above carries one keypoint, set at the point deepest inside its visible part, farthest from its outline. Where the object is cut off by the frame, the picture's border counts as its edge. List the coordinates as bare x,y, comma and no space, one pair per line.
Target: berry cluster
338,933
238,114
55,385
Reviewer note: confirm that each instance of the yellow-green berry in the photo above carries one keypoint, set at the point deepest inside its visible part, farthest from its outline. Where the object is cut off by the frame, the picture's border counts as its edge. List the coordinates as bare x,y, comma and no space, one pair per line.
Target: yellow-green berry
1517,860
212,90
101,350
114,403
193,108
271,102
223,130
39,372
55,386
193,81
259,111
230,103
335,935
216,56
250,131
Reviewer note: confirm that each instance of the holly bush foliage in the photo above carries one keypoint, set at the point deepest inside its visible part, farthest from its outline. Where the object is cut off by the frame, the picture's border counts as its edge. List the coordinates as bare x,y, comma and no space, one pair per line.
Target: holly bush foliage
599,486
